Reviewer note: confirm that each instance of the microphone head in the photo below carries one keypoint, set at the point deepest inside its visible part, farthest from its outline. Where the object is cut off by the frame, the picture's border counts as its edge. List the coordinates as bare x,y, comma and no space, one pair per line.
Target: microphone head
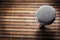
46,14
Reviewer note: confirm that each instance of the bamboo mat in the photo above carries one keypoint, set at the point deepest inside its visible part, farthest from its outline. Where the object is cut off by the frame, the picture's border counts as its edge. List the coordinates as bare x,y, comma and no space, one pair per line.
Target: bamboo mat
18,20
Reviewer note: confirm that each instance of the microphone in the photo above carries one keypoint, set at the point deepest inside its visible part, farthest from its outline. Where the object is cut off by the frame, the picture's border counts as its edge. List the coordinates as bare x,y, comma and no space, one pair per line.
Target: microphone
45,15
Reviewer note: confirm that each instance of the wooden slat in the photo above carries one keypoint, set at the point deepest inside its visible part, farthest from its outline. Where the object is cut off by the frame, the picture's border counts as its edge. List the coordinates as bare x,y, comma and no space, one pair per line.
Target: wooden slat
47,1
29,30
24,6
22,9
26,36
23,14
25,33
9,3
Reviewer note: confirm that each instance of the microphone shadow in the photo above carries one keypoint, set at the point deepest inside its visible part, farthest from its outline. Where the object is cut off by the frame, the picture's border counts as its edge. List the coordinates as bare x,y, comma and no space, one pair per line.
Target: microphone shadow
46,34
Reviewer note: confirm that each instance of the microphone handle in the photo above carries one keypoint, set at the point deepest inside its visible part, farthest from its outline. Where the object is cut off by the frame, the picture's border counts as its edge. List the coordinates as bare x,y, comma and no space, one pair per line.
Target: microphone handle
42,27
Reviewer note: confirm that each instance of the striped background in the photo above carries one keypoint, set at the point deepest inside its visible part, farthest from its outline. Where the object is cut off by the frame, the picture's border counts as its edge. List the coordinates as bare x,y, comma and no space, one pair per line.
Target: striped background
18,20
